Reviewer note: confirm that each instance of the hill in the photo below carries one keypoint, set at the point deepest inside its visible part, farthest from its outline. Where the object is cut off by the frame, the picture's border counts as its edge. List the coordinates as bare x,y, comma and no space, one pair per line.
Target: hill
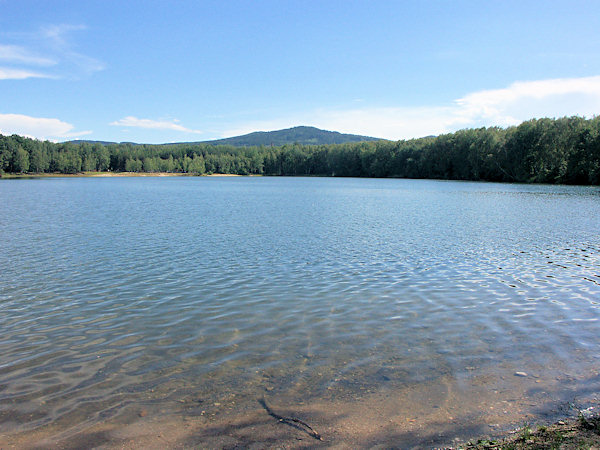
300,135
296,135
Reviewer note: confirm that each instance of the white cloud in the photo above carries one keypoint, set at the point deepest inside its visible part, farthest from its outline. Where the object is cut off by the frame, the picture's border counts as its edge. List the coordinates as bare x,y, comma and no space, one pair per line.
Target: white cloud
6,73
522,100
57,33
50,47
19,54
37,127
173,125
58,42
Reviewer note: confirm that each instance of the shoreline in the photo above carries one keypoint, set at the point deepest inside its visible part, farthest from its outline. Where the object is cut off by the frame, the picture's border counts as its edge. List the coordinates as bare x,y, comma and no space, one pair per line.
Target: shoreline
580,432
114,174
416,416
13,176
278,428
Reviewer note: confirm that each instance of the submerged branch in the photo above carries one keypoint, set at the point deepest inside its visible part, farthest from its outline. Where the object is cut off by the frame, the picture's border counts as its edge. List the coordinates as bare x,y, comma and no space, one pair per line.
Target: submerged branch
292,421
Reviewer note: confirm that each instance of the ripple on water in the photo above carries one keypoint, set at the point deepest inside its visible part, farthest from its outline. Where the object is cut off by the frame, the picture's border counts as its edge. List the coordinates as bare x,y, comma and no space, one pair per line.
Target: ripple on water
140,292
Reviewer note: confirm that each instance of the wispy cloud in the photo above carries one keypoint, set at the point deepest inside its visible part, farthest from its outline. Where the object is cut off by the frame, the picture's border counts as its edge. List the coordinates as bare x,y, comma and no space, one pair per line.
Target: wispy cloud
19,54
58,38
57,32
511,105
38,127
51,48
6,73
173,125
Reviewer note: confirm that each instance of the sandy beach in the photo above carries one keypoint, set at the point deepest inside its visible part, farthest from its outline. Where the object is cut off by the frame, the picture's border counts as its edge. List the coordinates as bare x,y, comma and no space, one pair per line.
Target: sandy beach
114,174
417,416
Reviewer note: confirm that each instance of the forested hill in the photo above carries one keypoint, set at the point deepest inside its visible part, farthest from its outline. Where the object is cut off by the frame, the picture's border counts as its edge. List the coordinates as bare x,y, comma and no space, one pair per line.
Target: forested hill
296,135
564,150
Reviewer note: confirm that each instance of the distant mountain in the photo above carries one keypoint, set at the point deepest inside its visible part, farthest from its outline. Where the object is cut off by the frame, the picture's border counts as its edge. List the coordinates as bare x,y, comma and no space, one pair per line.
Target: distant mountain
84,141
301,135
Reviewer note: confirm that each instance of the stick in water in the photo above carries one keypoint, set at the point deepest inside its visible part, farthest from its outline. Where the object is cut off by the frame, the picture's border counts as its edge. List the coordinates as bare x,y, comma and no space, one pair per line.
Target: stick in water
291,421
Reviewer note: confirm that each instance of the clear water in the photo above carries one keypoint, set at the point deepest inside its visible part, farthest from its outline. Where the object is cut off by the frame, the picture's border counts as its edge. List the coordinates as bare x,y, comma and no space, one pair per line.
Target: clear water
181,293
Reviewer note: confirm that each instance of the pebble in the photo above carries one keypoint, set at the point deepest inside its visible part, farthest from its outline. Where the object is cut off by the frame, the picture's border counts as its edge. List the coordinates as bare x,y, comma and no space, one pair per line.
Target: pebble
520,374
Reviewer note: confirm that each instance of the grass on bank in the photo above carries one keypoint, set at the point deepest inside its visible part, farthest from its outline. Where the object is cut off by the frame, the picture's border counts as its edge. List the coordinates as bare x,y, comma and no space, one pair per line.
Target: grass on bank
580,433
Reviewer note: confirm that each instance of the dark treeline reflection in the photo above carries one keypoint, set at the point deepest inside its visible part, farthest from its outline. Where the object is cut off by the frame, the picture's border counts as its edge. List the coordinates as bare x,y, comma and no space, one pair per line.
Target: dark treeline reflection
565,150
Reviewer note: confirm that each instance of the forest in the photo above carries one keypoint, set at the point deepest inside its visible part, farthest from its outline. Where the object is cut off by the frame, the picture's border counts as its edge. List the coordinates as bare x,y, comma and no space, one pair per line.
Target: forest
564,150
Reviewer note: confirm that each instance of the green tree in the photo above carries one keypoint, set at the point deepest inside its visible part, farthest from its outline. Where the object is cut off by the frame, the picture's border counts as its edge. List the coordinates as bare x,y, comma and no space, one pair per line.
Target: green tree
102,157
38,160
133,165
20,162
197,165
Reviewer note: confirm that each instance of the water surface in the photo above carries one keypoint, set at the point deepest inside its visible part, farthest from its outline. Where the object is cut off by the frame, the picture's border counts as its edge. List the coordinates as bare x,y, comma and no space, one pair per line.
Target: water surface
128,300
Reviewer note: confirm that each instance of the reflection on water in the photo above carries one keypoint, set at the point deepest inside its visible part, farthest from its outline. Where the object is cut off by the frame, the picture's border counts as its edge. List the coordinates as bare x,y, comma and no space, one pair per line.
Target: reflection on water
171,296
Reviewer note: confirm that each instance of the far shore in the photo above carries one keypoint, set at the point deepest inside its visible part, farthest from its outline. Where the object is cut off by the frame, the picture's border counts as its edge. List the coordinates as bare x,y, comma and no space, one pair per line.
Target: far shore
159,174
115,174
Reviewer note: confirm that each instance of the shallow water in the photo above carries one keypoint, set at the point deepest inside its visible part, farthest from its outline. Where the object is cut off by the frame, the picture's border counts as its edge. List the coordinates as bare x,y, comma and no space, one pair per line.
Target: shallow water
128,300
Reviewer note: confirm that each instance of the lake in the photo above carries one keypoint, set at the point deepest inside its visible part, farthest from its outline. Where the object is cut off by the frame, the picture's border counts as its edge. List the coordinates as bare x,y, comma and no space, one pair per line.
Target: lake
378,311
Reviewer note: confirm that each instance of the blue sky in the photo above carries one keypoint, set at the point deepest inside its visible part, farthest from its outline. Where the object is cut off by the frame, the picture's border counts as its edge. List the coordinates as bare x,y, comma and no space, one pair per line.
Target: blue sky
174,71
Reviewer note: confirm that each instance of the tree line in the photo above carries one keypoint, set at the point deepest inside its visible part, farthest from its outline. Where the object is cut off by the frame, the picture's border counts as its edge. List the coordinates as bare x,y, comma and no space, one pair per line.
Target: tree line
564,150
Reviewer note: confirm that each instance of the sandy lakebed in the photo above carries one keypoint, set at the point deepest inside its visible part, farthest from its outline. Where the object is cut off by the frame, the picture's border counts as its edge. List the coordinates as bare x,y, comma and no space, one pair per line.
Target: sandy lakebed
418,416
